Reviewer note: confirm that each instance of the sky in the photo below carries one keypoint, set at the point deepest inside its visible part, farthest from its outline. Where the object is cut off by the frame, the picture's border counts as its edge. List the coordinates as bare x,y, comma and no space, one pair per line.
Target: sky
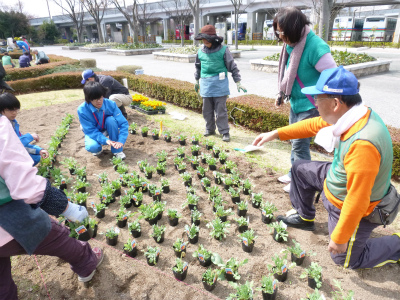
35,8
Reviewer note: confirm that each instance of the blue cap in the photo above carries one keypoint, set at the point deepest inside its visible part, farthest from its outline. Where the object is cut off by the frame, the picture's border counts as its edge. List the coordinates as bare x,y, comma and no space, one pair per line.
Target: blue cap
336,81
86,74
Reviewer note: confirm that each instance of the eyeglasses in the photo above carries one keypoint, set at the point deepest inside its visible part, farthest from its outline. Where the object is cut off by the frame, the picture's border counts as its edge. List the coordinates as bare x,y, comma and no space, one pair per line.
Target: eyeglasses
16,110
279,32
100,99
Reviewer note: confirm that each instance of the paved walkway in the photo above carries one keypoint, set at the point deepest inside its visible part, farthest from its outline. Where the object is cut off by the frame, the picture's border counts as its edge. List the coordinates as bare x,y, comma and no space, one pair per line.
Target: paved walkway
378,91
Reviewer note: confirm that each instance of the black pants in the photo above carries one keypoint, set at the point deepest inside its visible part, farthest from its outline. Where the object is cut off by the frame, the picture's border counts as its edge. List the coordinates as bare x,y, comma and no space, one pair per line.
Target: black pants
43,61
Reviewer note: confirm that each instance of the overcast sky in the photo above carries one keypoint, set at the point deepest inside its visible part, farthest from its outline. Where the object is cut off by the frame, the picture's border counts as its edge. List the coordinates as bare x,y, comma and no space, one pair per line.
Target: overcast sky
35,8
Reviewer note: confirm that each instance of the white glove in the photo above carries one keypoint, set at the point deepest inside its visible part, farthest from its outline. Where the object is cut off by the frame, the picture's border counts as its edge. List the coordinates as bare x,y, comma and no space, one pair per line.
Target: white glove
75,212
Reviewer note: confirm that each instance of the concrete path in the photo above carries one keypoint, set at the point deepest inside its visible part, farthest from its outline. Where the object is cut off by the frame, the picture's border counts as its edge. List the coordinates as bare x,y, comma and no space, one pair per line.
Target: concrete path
378,91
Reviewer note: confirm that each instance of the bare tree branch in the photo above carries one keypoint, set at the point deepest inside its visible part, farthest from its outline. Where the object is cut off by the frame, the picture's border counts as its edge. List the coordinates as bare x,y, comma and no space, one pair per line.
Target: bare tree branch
96,9
74,10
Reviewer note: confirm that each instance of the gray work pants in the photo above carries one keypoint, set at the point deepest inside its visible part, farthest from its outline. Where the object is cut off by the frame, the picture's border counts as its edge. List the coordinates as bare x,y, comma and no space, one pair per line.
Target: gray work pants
121,99
362,251
215,111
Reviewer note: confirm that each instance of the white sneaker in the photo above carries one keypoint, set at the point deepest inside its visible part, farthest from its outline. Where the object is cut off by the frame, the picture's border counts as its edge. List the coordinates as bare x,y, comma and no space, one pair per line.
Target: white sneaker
120,155
285,179
287,188
98,153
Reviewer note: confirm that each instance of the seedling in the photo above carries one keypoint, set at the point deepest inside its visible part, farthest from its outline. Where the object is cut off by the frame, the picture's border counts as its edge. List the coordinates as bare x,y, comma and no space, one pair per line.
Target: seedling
125,200
211,161
70,162
234,193
133,127
152,254
205,182
231,267
81,198
257,198
218,176
167,134
122,168
195,215
181,137
230,165
268,284
223,155
191,199
213,192
116,160
221,212
186,176
340,293
268,209
80,172
243,291
195,148
103,177
180,266
134,226
122,214
196,137
100,206
81,183
243,205
202,171
173,214
111,233
210,143
128,245
210,276
145,130
314,271
149,170
148,212
142,164
203,252
157,233
219,228
247,184
179,245
162,156
314,296
298,251
242,221
247,237
155,132
192,231
181,166
181,151
178,160
281,264
164,182
137,198
280,229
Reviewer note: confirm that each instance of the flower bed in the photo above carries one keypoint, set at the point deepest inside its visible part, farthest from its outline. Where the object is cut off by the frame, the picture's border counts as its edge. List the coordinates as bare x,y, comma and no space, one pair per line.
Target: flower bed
260,113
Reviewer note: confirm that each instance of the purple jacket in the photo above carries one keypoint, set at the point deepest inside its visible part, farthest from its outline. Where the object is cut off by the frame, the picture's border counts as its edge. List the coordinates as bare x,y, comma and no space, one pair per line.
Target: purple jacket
24,61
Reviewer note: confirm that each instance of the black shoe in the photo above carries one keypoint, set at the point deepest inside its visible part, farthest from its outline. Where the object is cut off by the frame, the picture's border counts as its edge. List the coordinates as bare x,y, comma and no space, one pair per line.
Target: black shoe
123,111
297,222
208,133
226,137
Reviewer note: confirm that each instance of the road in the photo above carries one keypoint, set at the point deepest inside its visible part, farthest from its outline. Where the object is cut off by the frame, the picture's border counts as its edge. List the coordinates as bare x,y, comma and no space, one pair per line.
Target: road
378,91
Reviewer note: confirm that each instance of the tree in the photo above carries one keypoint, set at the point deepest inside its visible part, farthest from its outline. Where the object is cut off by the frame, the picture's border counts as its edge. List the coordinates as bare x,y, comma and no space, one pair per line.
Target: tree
126,12
74,10
144,17
48,32
237,7
13,24
195,8
96,9
180,11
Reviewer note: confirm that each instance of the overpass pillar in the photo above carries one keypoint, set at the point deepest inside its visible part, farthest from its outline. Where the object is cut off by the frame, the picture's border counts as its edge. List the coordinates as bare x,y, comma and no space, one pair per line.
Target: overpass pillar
251,24
166,27
89,32
113,29
261,17
396,37
68,33
208,19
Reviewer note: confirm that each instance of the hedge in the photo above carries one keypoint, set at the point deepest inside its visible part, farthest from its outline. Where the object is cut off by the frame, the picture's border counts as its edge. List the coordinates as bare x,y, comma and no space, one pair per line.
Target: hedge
38,70
260,114
58,81
13,55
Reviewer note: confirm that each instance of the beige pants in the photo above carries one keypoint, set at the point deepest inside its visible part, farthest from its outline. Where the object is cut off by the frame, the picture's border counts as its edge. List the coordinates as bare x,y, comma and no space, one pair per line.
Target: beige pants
121,99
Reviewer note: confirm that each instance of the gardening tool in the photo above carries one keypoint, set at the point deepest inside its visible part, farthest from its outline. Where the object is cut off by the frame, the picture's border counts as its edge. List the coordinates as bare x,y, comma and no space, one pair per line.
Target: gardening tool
249,148
230,114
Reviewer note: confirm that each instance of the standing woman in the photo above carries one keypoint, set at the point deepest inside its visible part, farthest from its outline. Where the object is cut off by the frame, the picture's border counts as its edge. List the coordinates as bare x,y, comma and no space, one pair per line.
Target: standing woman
213,62
303,57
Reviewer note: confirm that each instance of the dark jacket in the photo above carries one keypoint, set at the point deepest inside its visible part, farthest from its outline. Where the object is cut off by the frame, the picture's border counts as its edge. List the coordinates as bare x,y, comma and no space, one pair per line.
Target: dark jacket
113,86
24,61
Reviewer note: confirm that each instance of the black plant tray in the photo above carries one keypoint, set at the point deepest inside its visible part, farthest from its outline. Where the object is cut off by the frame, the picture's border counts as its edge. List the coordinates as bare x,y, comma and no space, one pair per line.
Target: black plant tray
151,112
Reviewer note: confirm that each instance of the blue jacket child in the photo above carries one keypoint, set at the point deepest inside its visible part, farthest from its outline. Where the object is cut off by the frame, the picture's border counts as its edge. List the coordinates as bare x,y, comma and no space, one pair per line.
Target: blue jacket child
26,139
97,123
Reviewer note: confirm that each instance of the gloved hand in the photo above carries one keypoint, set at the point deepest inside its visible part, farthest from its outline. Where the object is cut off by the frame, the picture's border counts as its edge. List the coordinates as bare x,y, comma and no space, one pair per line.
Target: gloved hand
75,212
241,87
197,86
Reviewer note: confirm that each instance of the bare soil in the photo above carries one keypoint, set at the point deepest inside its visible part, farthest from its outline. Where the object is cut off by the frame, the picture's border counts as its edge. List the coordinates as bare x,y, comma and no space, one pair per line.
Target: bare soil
121,277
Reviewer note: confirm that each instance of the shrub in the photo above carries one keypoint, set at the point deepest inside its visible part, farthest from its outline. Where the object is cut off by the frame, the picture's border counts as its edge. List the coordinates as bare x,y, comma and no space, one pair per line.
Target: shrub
260,114
39,70
129,69
88,63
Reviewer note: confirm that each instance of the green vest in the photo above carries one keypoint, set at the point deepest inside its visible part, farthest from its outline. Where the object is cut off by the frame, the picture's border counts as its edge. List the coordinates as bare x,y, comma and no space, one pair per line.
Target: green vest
375,132
314,49
4,192
213,63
